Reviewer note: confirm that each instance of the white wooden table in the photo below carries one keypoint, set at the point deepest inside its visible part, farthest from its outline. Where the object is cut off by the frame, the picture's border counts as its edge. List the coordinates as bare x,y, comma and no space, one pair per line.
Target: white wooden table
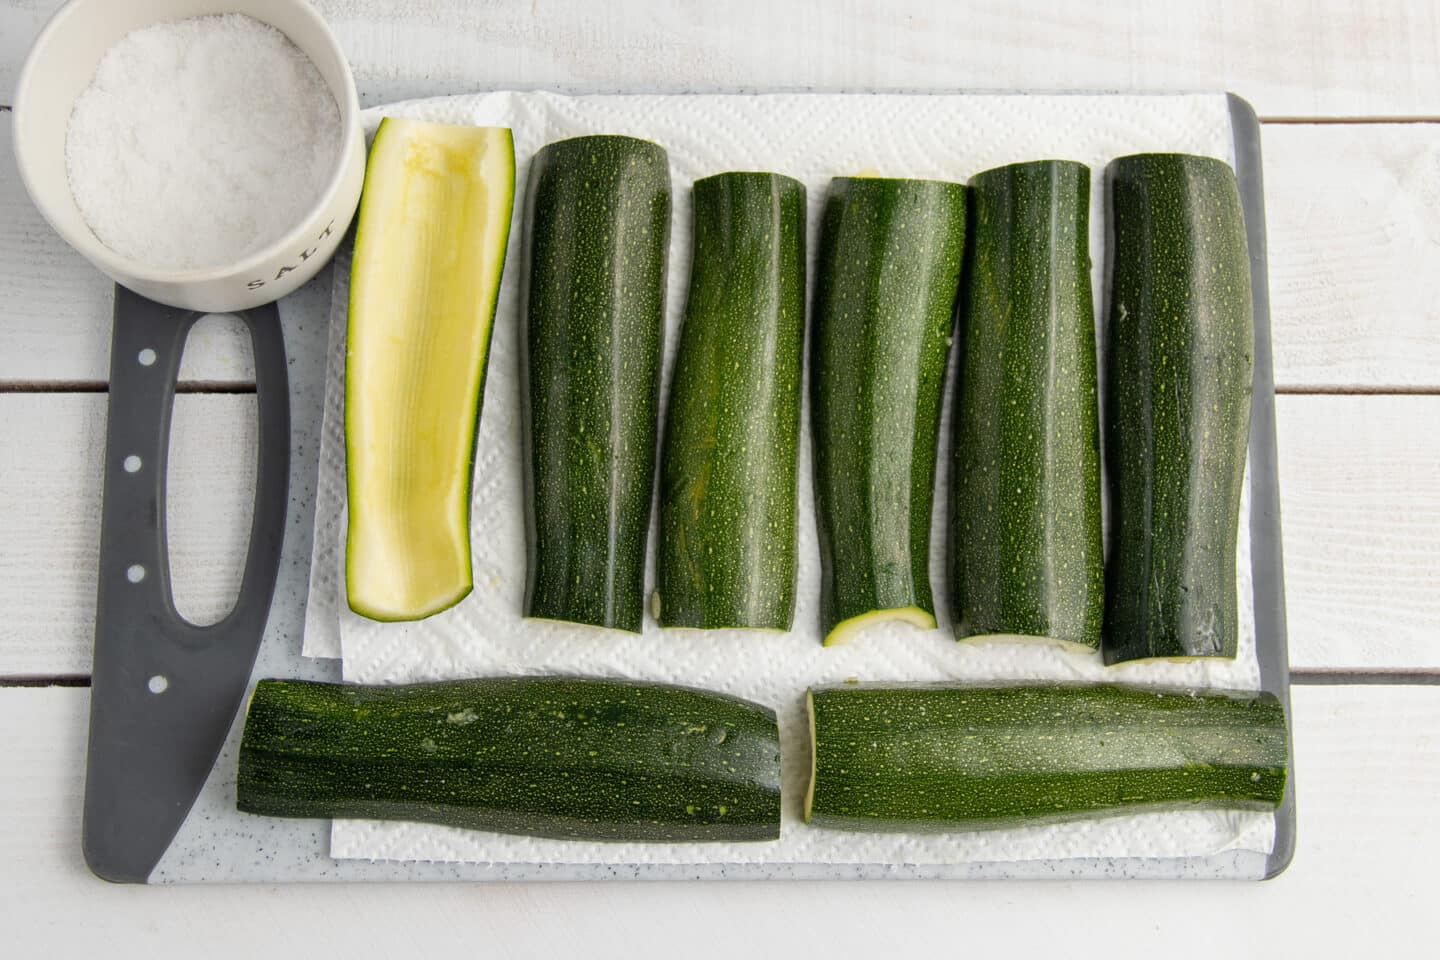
1350,93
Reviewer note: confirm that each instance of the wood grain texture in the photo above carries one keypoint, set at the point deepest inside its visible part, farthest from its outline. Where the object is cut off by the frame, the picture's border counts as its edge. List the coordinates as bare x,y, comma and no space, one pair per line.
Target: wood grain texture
1360,482
1293,58
57,307
1354,218
1360,508
1367,767
52,448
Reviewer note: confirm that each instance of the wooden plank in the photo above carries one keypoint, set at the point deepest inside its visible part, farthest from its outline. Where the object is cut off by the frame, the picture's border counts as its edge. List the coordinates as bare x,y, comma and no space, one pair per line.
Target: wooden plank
1319,58
50,491
1354,219
1352,210
57,307
1360,507
1367,768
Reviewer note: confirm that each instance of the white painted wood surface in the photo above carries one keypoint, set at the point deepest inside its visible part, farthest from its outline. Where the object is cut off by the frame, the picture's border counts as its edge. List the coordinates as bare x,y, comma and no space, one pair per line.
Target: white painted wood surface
52,447
57,307
1353,212
1353,209
1361,885
1333,58
1360,511
1360,484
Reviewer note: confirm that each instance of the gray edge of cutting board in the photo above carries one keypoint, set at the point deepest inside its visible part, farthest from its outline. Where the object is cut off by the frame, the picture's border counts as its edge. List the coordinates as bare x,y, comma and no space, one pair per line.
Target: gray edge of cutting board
220,845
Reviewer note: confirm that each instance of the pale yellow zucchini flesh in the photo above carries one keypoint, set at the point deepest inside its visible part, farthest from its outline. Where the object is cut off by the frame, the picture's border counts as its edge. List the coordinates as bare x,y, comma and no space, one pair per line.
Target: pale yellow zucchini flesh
429,252
847,630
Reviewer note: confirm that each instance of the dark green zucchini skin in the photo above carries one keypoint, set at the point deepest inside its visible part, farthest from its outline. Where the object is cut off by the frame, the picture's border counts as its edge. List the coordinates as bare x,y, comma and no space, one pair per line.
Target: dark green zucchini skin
888,273
948,756
1180,344
560,757
597,215
728,459
1026,549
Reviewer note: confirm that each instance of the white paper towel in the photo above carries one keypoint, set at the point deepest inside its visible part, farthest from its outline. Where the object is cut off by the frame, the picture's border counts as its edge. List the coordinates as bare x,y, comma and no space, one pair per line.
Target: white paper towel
812,138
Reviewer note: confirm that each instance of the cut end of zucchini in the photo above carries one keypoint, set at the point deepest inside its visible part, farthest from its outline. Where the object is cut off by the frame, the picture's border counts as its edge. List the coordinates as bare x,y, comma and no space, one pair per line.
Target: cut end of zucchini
1121,664
1193,159
587,629
429,252
814,753
1021,639
1043,166
682,628
409,605
846,630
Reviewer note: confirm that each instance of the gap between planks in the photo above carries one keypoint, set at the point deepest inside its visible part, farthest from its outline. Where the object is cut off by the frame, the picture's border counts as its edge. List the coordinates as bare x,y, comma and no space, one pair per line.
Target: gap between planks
1309,678
101,386
1355,121
247,387
1278,120
1312,677
59,680
1357,390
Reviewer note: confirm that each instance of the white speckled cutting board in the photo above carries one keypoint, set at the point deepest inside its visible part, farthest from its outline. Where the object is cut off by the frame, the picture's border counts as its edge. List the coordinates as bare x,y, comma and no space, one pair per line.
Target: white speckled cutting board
810,137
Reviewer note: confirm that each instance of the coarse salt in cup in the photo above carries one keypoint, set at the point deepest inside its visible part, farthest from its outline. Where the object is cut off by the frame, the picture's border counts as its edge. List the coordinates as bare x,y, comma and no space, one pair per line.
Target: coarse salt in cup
62,65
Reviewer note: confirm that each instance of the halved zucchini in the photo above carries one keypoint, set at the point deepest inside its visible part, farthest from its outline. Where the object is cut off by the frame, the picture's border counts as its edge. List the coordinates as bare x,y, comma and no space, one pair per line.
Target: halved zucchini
732,434
881,321
1180,348
571,758
592,328
429,252
955,756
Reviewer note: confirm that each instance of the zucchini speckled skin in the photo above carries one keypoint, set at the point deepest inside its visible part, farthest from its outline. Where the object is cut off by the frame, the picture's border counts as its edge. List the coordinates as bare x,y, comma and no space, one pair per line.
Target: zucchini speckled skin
597,237
1026,551
546,756
728,460
889,268
1177,417
949,756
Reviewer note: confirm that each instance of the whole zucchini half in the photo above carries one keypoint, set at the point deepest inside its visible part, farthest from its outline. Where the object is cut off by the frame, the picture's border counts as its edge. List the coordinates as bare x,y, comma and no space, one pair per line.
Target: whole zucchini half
429,251
546,756
728,460
956,757
889,268
597,216
1026,551
1177,416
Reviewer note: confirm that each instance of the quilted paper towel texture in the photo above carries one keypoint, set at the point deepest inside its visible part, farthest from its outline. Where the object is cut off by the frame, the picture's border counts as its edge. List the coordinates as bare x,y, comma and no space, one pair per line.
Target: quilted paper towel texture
812,138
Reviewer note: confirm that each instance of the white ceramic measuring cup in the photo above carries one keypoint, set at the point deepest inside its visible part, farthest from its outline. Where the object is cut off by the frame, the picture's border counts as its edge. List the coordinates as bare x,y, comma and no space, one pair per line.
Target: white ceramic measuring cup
164,692
62,64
